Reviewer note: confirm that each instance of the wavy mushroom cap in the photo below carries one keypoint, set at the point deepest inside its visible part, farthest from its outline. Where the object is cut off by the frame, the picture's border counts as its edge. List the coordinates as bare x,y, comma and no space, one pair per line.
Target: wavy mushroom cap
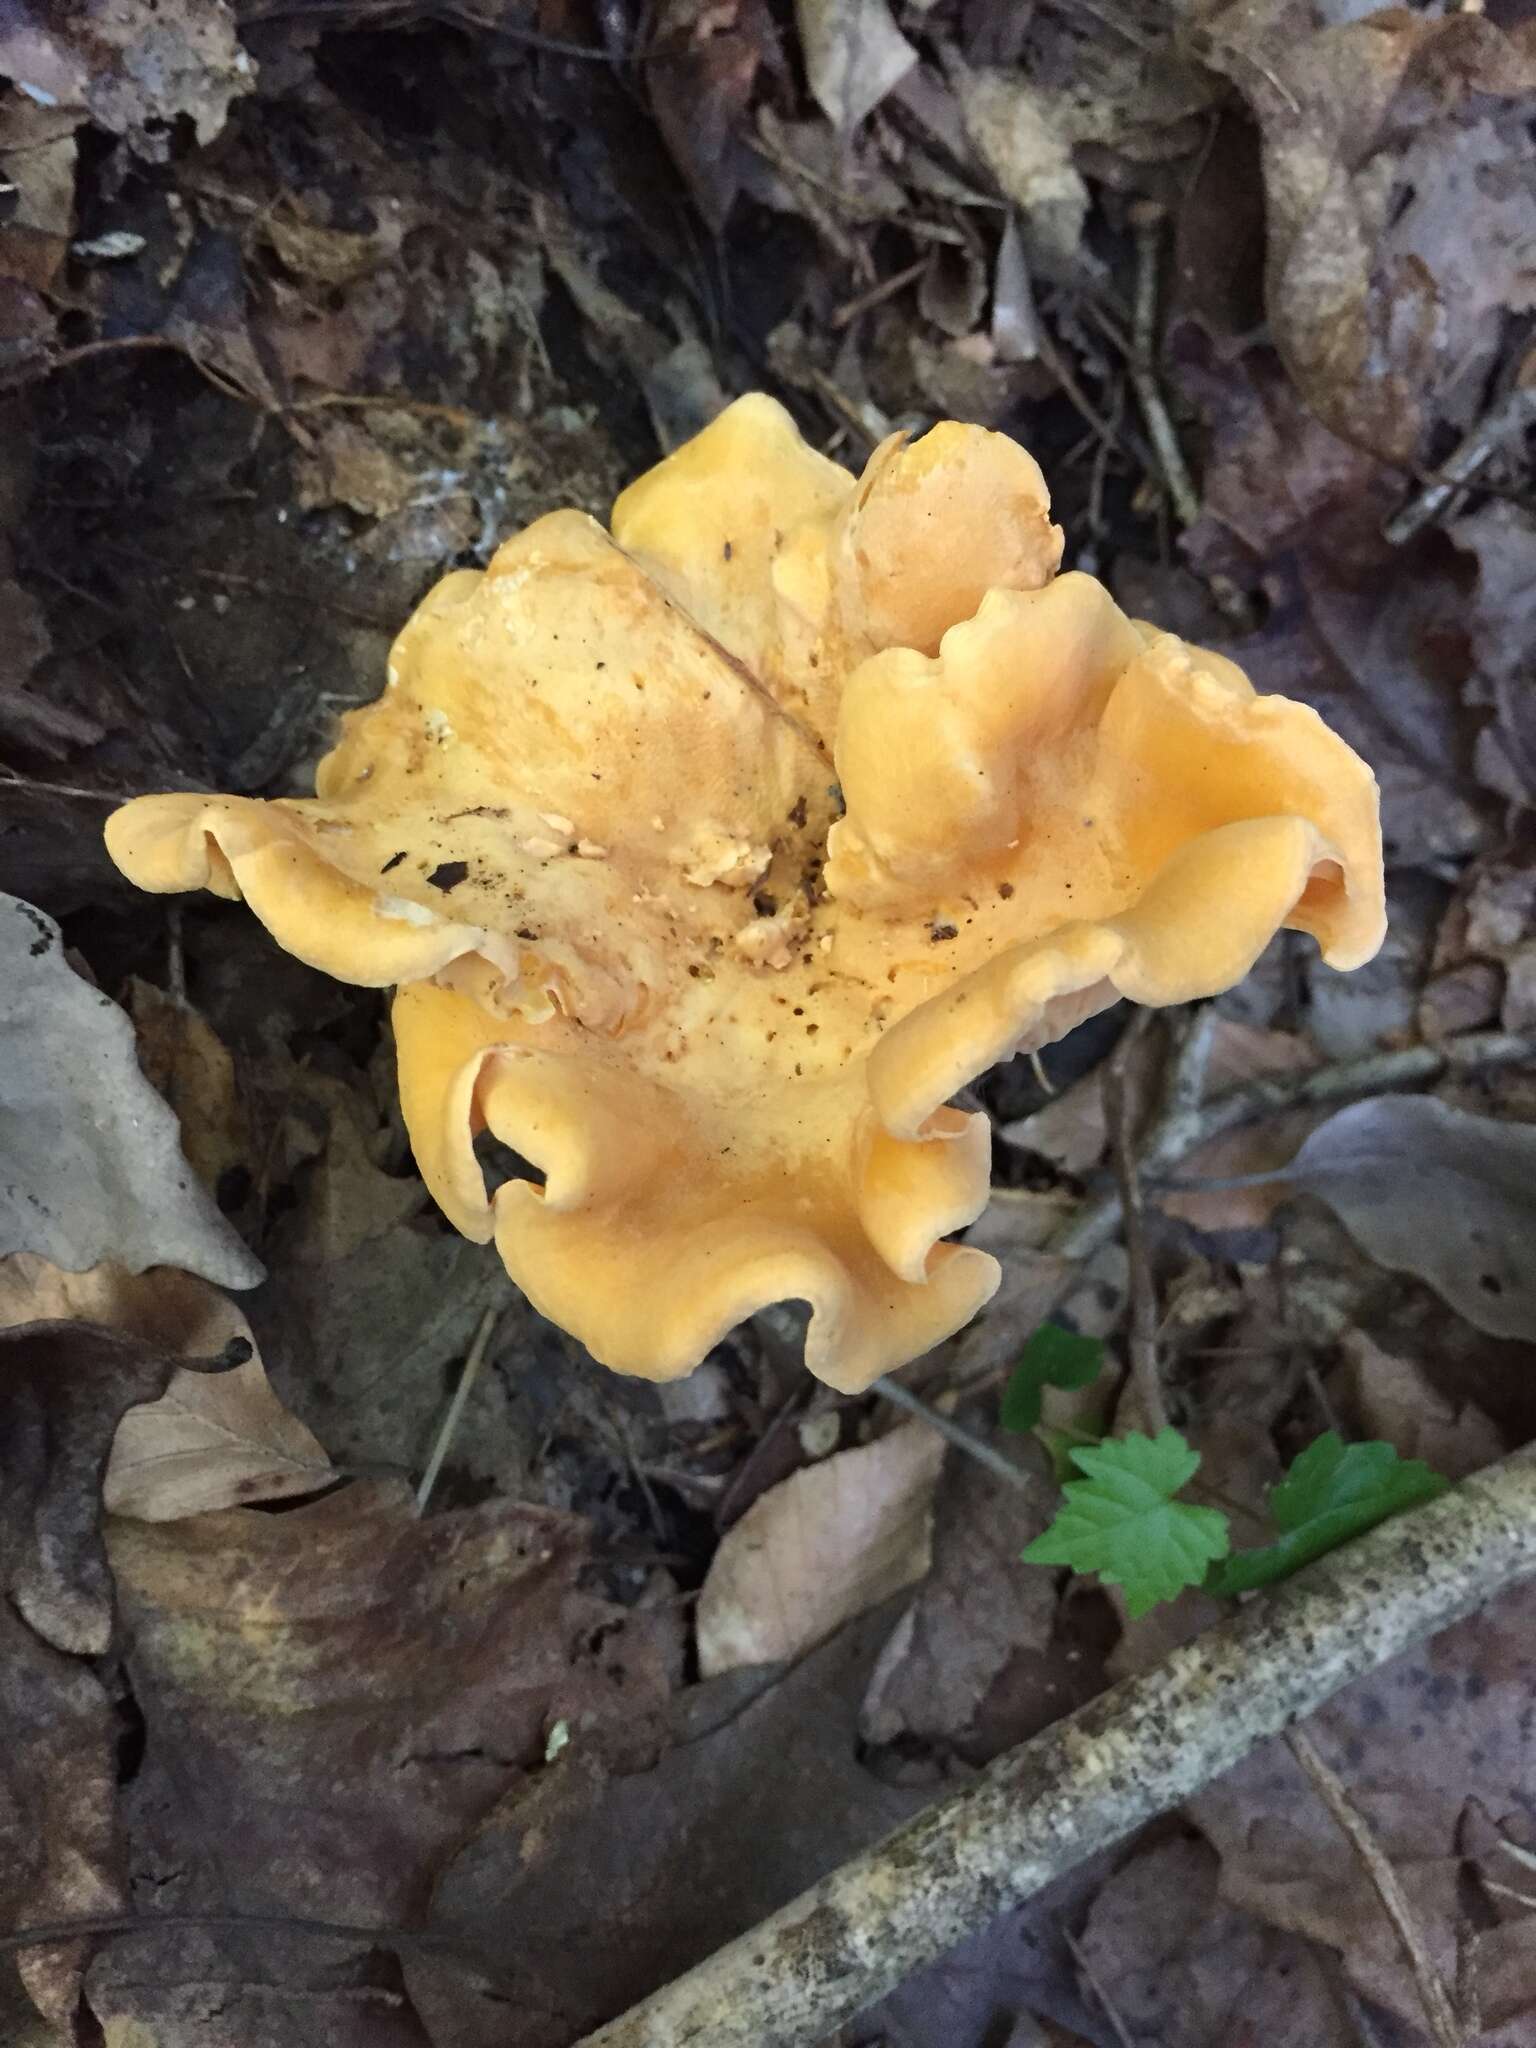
714,856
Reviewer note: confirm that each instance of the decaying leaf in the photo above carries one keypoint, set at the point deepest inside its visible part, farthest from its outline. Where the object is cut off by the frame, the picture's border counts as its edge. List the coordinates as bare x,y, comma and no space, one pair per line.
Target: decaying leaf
819,1548
135,66
973,1614
59,1856
854,55
1401,203
63,1388
1390,1396
1245,1052
761,1793
1437,1751
211,1440
347,465
336,1697
184,1060
1015,131
1501,538
700,66
1190,1971
37,159
1374,637
91,1162
1434,1191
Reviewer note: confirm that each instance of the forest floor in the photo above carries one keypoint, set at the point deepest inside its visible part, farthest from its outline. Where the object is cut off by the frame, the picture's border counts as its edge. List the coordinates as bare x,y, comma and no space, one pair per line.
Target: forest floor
302,303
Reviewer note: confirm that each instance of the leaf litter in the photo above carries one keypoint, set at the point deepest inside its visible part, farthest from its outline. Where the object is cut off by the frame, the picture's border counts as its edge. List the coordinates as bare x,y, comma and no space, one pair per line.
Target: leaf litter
289,323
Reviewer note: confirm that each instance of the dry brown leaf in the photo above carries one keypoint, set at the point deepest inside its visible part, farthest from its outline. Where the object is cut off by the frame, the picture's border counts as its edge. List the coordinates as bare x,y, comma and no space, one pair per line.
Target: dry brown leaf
1388,1396
1374,637
1428,1189
332,256
93,1162
59,1857
184,1060
1501,538
821,1547
211,1440
38,157
1245,1052
348,466
1069,1130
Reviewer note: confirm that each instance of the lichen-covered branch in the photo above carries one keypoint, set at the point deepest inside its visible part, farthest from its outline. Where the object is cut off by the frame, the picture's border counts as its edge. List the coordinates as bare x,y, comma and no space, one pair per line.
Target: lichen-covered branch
1138,1750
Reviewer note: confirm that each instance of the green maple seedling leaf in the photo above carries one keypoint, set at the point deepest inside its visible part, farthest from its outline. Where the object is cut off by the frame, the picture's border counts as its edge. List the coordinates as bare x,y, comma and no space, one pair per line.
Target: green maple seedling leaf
1053,1357
1121,1521
1332,1492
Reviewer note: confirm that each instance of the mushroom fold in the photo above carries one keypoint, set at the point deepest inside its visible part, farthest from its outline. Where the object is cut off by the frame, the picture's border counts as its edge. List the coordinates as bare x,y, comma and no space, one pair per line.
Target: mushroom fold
711,856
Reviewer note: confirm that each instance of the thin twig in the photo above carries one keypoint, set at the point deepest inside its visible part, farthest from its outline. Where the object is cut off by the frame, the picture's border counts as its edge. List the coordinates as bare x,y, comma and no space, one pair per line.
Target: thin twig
461,1393
1147,224
1511,415
1143,1331
1091,1779
1356,1830
956,1433
877,294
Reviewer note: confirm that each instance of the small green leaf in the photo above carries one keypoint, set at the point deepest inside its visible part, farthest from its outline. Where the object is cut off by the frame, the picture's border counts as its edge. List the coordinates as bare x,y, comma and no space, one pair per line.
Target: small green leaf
1122,1522
1053,1357
1332,1492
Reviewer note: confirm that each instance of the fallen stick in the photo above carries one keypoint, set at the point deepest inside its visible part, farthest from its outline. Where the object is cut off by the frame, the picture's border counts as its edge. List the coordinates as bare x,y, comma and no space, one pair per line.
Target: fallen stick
1137,1751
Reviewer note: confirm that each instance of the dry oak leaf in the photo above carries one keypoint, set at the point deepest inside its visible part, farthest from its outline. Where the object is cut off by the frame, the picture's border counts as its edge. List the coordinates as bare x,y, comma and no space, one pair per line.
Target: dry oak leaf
211,1440
591,829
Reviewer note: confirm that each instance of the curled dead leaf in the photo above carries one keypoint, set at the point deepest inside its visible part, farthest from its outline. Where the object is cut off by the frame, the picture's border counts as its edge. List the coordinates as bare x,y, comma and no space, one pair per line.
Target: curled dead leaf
211,1440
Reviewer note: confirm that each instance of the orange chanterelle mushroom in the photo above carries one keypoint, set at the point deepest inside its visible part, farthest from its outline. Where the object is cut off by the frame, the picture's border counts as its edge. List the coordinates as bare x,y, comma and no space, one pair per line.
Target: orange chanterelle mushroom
712,856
